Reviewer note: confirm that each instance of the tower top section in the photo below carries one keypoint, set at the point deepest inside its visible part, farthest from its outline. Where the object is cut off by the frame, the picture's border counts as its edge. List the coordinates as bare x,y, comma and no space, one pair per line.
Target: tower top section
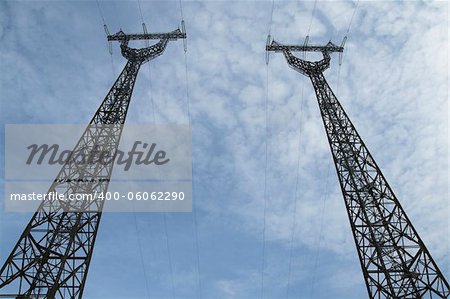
307,68
124,38
150,52
277,47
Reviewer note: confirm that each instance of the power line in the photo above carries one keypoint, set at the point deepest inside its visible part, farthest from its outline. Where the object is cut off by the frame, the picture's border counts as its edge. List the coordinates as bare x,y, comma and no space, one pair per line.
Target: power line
297,183
181,10
150,87
149,71
312,17
263,254
134,212
322,218
100,11
341,55
194,209
140,11
263,263
113,68
195,226
350,25
166,233
326,194
353,15
188,101
147,287
105,27
271,16
169,254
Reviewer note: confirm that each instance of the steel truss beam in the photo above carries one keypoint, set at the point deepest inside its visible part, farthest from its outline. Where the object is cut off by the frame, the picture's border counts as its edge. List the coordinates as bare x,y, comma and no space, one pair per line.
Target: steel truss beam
394,260
51,258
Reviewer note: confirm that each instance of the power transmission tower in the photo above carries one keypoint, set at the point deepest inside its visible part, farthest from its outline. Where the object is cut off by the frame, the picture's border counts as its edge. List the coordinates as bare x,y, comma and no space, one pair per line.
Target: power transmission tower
394,260
51,258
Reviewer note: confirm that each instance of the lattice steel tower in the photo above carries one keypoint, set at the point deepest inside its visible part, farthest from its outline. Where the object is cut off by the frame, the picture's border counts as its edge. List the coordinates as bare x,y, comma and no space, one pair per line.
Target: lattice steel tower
394,260
51,258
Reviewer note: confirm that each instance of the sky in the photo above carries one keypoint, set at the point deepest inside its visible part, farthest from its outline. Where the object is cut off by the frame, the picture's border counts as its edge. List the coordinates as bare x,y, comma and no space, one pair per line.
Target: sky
393,83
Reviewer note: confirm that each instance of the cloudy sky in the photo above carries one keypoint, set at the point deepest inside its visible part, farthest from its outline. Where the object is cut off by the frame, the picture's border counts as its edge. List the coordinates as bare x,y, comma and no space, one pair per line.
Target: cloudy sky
56,69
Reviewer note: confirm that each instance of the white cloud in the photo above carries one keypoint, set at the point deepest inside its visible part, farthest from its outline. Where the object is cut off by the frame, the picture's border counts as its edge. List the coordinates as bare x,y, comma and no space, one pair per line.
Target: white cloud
392,84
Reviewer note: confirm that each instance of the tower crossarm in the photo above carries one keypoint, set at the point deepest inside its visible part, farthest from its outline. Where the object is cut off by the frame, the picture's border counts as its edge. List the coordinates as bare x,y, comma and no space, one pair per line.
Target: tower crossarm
394,260
122,37
277,47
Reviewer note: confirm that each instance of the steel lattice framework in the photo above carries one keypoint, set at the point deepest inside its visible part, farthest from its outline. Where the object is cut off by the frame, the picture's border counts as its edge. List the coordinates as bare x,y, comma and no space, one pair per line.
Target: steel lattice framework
51,258
394,260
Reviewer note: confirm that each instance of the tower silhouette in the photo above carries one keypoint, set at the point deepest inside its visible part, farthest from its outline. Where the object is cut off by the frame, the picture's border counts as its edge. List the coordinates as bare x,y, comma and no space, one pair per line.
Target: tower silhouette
394,260
52,256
